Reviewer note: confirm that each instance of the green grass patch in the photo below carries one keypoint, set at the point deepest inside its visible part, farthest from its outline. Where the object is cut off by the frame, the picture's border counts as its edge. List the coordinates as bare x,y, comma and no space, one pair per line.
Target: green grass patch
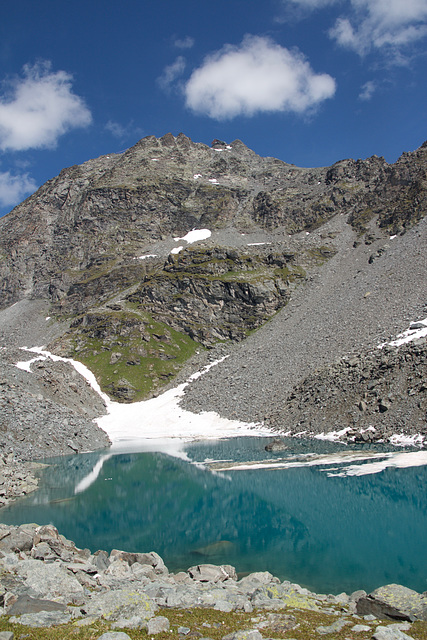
213,624
131,350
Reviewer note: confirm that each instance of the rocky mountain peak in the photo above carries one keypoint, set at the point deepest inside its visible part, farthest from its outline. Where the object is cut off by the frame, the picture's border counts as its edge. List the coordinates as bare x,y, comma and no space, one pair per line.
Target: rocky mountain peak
103,247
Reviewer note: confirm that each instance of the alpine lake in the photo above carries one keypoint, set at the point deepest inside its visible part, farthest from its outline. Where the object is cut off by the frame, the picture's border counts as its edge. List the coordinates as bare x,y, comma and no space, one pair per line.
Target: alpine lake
303,518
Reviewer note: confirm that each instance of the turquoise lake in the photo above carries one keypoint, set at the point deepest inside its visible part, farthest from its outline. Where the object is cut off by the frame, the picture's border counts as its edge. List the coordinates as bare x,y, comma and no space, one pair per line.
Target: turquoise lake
330,534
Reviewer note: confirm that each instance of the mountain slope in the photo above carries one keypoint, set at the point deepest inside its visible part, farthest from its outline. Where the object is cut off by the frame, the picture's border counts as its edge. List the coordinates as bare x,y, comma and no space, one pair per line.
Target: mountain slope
302,256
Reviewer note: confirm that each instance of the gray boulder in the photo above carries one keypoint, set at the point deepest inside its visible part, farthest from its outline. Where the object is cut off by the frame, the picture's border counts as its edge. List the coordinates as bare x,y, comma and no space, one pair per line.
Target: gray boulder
151,559
212,572
244,634
50,581
16,539
121,603
158,624
394,602
42,619
335,627
390,633
26,604
276,445
114,635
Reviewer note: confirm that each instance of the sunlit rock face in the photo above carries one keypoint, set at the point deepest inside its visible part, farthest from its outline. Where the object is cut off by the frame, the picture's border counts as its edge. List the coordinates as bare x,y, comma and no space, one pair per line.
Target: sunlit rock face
135,263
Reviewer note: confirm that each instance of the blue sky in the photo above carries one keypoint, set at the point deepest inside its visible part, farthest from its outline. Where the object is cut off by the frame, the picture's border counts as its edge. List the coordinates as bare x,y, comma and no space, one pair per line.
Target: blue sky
306,81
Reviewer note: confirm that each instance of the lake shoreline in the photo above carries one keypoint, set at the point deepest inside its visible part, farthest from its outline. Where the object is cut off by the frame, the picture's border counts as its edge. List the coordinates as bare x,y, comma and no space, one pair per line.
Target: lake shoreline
56,583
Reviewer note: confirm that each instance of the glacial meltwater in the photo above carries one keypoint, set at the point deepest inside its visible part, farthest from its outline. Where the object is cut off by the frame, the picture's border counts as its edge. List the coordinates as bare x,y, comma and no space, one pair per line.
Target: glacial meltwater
309,514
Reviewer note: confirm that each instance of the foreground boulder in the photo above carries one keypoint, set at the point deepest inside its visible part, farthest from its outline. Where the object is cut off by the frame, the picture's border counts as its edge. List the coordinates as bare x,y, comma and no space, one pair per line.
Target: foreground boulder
394,602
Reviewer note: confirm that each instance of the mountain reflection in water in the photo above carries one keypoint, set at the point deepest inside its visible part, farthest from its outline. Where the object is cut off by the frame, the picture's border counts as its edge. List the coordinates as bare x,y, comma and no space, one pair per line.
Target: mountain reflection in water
327,533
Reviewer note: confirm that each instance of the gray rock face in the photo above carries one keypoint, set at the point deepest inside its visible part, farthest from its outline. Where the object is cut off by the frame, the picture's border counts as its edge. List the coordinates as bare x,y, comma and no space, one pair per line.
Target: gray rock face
394,602
381,388
84,212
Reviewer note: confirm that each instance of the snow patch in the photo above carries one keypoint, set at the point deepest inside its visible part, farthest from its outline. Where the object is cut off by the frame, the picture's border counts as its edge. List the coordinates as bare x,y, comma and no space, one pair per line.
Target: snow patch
257,244
393,460
149,255
160,420
26,365
177,250
369,462
195,235
197,176
416,330
332,436
306,460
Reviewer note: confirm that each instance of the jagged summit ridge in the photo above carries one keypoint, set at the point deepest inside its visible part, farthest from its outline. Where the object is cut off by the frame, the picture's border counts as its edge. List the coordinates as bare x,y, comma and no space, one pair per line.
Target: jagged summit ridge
164,187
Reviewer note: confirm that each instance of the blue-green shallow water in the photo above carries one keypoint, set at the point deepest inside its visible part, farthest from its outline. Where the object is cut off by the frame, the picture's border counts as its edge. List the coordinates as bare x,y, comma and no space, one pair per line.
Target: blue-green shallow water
330,534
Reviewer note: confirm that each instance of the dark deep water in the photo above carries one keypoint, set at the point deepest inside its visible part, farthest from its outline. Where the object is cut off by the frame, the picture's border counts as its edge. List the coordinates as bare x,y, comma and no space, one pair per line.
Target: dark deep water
330,534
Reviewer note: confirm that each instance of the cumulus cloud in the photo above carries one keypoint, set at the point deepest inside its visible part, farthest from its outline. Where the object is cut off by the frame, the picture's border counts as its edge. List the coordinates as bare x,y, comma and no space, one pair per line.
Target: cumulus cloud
171,73
14,188
38,108
184,43
257,76
379,24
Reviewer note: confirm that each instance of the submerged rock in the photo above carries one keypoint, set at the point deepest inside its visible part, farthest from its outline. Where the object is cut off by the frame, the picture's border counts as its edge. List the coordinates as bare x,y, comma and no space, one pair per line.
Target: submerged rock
215,548
276,445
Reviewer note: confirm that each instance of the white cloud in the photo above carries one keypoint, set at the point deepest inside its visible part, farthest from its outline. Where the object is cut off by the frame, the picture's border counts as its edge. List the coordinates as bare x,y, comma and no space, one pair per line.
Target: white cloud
367,90
366,25
39,108
13,189
184,43
257,76
171,73
378,24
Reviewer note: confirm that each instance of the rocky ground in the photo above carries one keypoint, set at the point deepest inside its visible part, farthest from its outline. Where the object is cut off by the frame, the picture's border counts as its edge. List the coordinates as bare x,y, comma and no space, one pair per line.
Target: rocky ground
363,296
45,581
